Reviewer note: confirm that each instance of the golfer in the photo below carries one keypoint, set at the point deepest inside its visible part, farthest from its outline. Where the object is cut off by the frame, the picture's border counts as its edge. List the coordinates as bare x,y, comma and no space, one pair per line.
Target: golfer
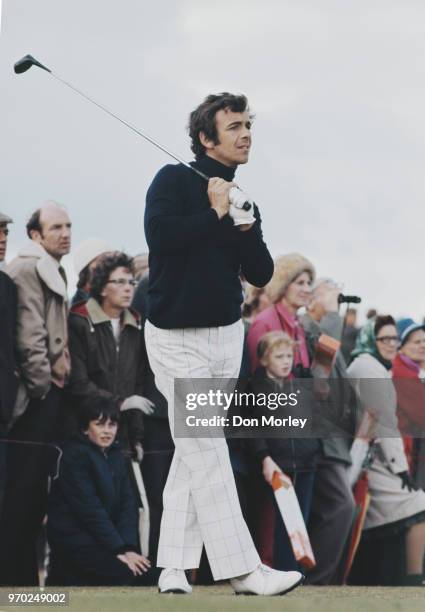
194,330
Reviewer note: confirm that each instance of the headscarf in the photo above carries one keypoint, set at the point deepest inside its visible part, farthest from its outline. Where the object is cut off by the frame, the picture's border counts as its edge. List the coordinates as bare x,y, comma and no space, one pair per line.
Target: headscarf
366,343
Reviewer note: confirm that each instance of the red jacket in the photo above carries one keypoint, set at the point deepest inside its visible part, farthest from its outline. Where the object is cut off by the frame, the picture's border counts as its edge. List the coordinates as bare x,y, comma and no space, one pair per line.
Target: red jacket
277,318
410,403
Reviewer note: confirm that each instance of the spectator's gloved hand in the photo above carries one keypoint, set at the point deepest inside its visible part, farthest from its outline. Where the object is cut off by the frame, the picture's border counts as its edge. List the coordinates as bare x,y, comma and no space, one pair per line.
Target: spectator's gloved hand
138,402
407,482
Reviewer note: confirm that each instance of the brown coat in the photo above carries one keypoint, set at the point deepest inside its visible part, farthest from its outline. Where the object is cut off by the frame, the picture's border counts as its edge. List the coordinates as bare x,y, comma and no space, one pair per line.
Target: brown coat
101,367
41,333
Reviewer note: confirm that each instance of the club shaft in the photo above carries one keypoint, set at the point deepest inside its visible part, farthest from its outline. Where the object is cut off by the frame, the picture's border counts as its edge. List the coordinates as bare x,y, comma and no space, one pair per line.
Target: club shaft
131,127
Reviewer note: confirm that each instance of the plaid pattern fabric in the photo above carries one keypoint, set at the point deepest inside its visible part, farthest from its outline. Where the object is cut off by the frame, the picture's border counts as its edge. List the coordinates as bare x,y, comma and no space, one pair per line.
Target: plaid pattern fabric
201,505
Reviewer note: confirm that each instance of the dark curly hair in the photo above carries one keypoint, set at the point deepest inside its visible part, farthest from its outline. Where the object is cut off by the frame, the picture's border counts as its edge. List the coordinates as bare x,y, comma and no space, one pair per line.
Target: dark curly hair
107,264
202,119
381,321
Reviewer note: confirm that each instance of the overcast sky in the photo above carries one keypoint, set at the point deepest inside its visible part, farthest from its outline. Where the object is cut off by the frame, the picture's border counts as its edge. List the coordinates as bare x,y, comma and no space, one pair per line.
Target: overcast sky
338,88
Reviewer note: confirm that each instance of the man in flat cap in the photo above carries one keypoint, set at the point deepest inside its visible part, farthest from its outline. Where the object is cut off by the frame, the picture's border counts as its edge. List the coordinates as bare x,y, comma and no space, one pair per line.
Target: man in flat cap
8,379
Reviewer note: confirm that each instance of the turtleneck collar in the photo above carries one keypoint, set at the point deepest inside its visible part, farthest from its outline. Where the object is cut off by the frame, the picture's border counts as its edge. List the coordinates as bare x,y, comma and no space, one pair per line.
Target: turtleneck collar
211,167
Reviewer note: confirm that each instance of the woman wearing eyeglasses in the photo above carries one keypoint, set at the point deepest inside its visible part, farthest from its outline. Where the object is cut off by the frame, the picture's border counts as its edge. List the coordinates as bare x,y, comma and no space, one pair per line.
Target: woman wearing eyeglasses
396,512
107,349
408,376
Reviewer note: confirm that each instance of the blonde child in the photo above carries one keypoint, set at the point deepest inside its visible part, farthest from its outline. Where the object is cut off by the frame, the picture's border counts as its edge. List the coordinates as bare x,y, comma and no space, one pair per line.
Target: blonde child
292,456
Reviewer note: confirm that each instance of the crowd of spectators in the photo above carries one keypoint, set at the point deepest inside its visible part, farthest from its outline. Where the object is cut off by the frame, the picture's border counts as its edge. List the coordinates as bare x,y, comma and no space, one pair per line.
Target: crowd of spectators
85,443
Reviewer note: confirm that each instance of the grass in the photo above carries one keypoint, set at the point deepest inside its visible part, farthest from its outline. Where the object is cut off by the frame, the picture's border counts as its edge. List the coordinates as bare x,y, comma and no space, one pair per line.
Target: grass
221,598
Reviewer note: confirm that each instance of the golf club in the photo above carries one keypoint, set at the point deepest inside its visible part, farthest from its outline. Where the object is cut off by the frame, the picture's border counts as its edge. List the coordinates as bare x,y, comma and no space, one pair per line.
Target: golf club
237,197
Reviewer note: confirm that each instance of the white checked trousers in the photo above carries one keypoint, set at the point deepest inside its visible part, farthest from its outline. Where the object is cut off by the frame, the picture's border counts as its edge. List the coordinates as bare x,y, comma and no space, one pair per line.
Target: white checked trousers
201,505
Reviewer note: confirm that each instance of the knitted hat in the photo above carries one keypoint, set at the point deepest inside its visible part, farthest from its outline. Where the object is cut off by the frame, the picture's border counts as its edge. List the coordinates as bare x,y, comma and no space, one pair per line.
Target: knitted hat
87,251
405,327
286,269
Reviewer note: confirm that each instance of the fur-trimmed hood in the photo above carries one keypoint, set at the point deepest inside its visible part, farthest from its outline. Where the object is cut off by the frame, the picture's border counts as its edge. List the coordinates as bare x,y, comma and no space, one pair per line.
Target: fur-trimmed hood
93,312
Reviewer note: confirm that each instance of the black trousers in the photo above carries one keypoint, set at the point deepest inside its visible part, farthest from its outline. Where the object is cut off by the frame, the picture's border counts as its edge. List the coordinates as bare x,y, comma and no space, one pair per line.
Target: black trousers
30,458
380,561
159,448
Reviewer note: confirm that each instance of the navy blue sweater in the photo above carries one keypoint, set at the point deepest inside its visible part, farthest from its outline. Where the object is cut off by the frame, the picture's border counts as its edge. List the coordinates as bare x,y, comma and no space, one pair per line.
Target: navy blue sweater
194,258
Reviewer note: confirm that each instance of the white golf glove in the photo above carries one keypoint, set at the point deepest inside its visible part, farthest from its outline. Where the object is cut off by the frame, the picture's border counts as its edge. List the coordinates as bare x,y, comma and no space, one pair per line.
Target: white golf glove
138,402
240,216
237,199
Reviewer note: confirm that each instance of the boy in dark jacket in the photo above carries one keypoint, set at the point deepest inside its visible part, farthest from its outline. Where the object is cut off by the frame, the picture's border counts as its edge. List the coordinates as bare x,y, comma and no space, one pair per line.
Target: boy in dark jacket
93,518
293,457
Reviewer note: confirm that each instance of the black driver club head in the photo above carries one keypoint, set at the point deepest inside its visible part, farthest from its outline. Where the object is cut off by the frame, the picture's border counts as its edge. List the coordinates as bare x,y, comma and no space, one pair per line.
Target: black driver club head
25,64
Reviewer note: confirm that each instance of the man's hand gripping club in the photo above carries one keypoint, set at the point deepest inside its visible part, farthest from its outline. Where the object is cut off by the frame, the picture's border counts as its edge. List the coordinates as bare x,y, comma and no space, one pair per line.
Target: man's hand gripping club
220,196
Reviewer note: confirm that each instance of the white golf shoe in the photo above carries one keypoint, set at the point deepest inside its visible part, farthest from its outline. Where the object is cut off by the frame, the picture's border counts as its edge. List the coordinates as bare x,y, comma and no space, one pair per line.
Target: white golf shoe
266,581
173,581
